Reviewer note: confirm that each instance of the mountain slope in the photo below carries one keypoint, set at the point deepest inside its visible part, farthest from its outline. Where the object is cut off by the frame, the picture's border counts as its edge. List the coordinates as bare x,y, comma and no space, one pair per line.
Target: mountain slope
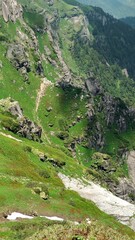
59,113
129,20
117,8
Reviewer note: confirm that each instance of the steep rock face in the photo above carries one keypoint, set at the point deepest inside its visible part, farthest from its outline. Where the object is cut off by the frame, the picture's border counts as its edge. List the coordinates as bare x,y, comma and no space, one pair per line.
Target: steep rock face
10,10
116,113
115,110
105,111
17,55
24,127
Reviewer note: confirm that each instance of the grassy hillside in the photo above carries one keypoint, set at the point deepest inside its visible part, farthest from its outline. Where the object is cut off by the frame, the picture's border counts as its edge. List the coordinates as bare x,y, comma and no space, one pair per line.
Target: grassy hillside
22,170
55,40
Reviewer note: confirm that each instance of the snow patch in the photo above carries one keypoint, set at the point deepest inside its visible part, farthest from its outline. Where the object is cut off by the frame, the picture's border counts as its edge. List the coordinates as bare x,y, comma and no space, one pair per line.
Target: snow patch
16,215
54,218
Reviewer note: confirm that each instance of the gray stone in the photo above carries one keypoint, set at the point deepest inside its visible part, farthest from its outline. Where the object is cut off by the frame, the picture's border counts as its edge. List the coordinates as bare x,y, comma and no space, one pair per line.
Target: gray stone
26,128
11,10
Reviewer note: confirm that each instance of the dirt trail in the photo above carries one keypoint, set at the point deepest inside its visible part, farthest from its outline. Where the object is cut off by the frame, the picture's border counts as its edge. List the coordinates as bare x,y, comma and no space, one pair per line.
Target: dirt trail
105,200
41,92
131,165
44,84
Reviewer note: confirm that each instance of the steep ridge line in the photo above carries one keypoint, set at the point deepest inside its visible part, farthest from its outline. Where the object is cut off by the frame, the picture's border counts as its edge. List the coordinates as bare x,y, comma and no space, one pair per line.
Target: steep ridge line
105,200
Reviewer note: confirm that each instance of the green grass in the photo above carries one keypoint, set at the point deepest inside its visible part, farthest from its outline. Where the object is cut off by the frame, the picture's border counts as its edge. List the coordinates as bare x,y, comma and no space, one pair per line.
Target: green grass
20,166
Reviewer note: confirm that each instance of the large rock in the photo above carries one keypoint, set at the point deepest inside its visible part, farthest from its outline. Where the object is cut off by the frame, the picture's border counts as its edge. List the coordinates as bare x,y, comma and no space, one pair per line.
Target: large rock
18,57
9,105
10,10
25,128
29,129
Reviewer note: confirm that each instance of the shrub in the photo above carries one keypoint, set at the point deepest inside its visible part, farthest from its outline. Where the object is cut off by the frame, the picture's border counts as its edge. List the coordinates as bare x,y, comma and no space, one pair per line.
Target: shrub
44,174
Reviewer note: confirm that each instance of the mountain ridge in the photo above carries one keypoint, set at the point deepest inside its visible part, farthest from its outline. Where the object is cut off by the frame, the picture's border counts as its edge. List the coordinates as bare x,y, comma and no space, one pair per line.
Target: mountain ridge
116,8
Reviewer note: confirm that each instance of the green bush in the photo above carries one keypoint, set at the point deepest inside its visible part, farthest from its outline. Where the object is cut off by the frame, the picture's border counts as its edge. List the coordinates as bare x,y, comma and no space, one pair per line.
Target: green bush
44,173
10,124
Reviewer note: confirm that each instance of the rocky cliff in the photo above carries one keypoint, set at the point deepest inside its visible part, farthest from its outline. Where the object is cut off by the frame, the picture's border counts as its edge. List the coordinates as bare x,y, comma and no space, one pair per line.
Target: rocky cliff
10,10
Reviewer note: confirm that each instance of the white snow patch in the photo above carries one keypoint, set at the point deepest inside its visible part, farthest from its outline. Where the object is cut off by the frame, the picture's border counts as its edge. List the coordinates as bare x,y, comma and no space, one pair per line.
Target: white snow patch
54,218
16,215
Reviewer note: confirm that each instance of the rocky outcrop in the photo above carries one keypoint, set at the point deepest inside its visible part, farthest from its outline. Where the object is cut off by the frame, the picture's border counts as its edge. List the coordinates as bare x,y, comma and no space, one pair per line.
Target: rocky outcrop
29,130
42,192
125,189
50,2
116,113
111,111
131,165
96,137
10,10
18,57
24,127
11,106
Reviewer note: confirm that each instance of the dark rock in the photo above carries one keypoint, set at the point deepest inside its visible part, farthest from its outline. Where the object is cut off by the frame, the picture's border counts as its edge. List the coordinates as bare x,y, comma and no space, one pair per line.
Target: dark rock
63,135
29,129
50,2
51,124
17,55
42,157
56,163
93,86
39,69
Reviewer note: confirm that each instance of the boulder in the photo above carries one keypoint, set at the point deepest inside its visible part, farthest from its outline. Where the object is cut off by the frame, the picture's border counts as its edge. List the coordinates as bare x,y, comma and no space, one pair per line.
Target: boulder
9,105
43,195
42,157
42,192
29,130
